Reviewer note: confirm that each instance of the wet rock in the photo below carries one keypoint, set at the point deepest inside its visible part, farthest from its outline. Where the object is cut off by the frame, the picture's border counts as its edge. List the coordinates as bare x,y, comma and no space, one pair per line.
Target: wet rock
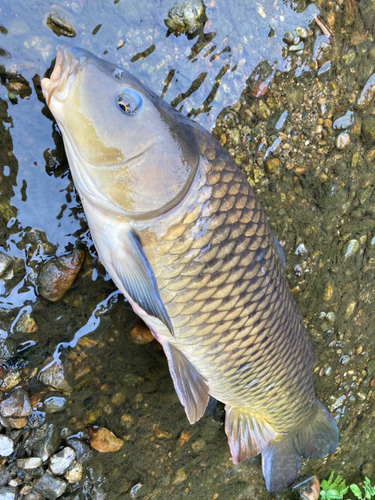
74,473
339,402
140,334
7,349
83,450
45,441
7,493
16,405
29,463
103,440
26,324
234,134
263,112
51,487
10,380
186,17
60,25
342,140
58,274
54,404
302,32
367,93
351,248
290,39
60,462
5,264
6,446
56,375
307,489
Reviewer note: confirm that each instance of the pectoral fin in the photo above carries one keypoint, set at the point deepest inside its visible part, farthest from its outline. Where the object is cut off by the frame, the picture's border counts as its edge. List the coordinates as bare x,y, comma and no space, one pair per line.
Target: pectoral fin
248,434
191,387
280,251
139,280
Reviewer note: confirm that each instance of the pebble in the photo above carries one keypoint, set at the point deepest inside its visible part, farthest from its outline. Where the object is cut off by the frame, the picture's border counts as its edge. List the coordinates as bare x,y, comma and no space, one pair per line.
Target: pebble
7,348
140,334
180,476
60,462
351,248
342,140
16,405
103,440
186,17
198,445
18,423
344,359
272,165
58,274
54,404
163,434
288,38
29,463
6,446
26,324
302,32
51,487
5,263
339,402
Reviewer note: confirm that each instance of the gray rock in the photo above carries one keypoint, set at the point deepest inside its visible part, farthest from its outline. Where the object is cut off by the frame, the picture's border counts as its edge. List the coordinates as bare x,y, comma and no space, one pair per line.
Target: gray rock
6,446
60,462
16,405
29,463
45,441
51,487
53,404
7,493
83,450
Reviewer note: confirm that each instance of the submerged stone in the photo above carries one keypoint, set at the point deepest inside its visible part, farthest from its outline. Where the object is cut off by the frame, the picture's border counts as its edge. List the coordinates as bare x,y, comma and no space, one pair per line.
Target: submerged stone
103,440
51,487
58,274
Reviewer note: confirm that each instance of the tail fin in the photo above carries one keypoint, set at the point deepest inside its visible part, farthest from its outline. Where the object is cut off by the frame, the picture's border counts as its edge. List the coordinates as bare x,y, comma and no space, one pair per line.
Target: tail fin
281,459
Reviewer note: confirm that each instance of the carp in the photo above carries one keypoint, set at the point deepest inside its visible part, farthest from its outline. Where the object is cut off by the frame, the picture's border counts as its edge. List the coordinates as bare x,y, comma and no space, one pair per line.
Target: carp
185,239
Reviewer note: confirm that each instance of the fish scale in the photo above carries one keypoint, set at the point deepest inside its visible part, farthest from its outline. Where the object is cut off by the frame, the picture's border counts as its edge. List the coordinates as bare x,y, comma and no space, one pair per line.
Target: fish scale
185,239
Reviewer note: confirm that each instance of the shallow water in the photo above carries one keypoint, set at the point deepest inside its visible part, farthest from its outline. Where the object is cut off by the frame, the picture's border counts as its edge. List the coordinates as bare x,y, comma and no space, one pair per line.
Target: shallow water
317,196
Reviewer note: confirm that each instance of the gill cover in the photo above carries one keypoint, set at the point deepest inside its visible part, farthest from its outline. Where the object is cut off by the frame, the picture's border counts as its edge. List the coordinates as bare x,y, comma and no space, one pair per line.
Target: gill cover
124,144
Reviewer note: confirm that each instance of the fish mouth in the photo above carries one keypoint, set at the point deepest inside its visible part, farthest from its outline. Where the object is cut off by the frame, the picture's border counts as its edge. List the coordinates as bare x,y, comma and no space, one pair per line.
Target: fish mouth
58,85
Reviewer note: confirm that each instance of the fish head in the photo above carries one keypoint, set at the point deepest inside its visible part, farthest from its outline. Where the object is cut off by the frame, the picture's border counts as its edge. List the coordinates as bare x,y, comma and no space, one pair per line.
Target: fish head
126,147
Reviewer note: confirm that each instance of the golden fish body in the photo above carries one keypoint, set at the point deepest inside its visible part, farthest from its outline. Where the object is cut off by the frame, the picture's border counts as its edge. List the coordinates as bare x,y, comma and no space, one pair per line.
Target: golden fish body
185,239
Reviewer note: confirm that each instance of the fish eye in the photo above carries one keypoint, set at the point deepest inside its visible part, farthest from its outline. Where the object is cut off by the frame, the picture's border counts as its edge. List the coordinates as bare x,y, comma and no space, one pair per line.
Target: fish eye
130,102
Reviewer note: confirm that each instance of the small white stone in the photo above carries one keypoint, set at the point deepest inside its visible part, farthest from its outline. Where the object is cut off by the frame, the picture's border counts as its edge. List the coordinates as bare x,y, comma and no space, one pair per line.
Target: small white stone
342,140
6,446
29,463
59,463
